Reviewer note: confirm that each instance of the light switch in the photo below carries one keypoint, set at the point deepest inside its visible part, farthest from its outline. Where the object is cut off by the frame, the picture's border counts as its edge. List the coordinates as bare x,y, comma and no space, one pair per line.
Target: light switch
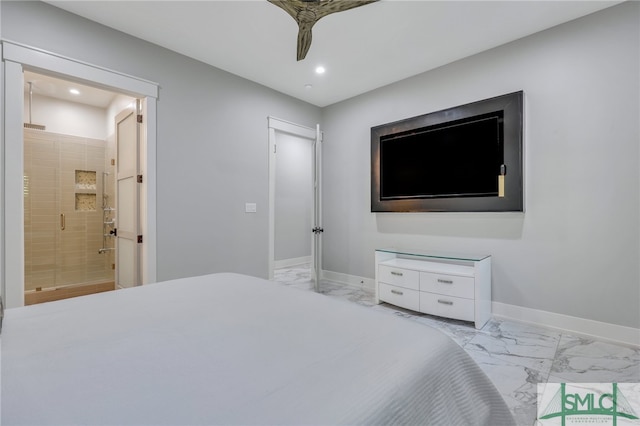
250,208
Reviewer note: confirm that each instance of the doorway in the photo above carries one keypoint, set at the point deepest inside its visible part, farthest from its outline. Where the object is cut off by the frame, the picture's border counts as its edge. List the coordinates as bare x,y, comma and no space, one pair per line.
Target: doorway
295,228
16,60
293,201
70,152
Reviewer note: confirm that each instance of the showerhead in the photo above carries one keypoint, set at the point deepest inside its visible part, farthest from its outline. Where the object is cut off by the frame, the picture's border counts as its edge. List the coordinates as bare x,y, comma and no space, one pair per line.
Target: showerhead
30,125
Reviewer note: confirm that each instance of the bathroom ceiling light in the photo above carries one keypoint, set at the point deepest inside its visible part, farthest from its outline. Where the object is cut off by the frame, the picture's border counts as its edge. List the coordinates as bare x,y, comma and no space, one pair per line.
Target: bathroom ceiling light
308,86
320,70
74,91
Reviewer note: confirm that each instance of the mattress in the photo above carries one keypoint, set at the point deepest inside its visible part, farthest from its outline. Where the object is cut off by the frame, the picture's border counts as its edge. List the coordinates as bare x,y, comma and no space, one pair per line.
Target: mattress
232,349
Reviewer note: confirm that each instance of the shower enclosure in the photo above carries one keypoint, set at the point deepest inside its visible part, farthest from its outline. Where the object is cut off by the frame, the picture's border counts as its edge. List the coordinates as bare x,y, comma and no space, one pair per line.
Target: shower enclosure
68,218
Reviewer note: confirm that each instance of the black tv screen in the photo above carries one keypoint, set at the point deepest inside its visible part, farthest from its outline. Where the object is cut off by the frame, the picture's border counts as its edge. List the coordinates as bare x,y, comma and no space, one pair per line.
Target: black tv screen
461,158
466,158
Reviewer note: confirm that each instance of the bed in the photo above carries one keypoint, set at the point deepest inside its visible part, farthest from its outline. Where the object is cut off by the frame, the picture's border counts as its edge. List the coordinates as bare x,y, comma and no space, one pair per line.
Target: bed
233,349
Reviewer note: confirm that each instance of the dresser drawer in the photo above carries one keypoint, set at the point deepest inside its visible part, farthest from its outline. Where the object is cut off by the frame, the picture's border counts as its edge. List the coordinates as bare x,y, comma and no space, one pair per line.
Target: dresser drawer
447,306
450,285
399,277
403,297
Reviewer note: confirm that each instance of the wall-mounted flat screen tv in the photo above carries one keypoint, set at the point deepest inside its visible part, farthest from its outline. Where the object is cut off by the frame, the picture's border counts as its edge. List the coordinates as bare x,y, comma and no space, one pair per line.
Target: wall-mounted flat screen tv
467,158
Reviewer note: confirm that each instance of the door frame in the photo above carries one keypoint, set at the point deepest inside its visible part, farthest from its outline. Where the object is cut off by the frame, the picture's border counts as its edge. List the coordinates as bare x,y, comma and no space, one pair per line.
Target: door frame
313,135
15,59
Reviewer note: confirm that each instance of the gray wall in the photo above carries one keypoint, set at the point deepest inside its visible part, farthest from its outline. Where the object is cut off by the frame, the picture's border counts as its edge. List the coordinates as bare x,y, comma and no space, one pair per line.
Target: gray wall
212,154
293,197
576,249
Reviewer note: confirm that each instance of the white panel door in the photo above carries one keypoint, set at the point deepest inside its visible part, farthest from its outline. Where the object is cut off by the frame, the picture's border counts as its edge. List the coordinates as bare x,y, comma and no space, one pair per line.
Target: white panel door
127,200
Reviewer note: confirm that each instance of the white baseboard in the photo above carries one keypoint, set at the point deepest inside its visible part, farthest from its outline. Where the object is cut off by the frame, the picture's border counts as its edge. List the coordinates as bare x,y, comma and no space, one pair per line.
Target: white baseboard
581,326
350,280
294,261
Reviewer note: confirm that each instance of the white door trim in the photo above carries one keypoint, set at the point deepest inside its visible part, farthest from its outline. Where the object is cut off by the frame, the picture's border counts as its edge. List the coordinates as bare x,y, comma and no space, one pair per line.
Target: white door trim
16,58
276,124
52,64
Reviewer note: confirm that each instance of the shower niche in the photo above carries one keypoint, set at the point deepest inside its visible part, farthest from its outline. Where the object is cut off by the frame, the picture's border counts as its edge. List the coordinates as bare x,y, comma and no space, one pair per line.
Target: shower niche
86,180
86,187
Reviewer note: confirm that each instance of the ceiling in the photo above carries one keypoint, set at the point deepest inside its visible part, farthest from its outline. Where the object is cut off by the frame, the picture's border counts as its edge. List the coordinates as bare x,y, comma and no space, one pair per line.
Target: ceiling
361,49
52,87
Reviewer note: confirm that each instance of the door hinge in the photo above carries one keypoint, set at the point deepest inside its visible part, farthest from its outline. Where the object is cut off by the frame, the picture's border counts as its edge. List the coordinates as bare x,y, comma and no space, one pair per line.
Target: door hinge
139,178
139,239
317,230
139,118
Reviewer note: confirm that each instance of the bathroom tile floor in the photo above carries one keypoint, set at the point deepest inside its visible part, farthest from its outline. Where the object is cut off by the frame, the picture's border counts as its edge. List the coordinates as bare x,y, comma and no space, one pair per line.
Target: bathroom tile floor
516,356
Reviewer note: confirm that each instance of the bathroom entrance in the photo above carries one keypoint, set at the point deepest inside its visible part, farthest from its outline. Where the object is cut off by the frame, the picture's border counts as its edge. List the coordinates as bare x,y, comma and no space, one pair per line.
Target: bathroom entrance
70,191
18,59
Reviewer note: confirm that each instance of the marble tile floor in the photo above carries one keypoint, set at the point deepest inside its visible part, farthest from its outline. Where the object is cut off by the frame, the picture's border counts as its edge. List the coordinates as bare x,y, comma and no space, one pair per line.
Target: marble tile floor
515,356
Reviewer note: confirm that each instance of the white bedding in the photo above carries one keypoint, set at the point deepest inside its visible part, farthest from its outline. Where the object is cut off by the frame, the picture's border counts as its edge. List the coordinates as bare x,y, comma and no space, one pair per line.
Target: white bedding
233,349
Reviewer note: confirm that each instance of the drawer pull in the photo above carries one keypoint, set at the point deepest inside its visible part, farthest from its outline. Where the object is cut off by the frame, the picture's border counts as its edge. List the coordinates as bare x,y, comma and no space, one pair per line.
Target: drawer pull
397,274
445,302
440,280
398,292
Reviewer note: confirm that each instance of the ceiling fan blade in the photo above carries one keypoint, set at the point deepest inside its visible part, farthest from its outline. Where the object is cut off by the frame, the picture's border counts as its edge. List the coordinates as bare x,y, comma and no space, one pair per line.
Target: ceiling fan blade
304,40
307,13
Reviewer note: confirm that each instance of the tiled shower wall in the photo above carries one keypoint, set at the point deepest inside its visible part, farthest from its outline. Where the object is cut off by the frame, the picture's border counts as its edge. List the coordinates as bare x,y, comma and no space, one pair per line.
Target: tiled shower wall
53,187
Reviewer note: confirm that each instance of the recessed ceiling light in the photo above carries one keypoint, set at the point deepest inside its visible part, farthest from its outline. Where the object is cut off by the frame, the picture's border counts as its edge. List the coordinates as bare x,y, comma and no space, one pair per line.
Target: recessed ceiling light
308,86
74,91
320,70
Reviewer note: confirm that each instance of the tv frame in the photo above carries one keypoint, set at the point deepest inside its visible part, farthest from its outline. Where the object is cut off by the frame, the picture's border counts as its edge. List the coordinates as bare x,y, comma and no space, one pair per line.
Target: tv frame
513,201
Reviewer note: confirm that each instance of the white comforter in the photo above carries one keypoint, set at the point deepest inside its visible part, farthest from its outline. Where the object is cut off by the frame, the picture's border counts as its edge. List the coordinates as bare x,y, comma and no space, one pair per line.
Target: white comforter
232,349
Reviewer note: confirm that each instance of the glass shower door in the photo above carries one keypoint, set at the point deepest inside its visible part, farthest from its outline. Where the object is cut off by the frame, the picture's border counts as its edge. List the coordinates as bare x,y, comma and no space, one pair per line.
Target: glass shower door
63,224
42,217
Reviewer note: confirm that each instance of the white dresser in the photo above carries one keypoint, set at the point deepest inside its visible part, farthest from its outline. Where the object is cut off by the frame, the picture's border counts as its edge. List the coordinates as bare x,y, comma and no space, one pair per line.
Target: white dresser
444,284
